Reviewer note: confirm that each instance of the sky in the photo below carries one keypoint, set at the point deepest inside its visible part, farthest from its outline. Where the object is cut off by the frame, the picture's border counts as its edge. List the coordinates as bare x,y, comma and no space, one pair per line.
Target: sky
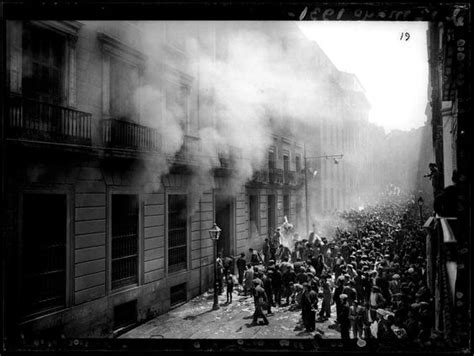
393,71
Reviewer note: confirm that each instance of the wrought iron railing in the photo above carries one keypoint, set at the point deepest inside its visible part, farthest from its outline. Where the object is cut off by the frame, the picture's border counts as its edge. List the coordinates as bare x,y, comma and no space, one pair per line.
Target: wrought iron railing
289,177
35,120
260,176
124,134
275,176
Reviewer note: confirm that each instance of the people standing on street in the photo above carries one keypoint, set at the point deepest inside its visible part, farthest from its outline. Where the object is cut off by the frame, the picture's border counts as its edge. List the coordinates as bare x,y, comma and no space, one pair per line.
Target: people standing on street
230,287
241,264
268,287
309,305
248,279
344,321
289,278
336,297
277,285
228,264
325,312
260,300
254,257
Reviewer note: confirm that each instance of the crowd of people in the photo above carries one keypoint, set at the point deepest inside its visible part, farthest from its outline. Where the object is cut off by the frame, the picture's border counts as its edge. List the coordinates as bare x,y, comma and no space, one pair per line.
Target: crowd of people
374,272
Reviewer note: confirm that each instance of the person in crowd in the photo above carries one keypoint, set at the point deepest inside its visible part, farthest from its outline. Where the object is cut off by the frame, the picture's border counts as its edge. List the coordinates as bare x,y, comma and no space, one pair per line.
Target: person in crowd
289,278
260,300
336,297
277,281
241,267
344,321
325,312
230,287
369,317
255,257
228,265
356,315
248,279
268,287
309,305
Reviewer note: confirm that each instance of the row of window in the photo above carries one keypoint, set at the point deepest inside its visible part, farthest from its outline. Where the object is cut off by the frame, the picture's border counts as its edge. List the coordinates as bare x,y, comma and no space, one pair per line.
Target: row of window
43,246
44,63
254,214
286,160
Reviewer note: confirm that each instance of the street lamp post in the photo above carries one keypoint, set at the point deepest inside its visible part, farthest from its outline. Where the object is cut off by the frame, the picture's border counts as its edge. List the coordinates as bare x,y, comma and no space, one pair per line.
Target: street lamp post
420,205
214,234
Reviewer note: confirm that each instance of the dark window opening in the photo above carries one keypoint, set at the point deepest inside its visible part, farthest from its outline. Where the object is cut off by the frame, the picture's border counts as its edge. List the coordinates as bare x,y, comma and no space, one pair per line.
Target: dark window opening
124,81
271,159
298,163
43,65
124,240
178,294
286,163
253,214
125,314
43,252
177,232
271,208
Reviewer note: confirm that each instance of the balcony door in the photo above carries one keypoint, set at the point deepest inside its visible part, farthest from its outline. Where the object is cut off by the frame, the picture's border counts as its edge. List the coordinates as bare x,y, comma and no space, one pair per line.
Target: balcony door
43,65
43,253
223,210
271,213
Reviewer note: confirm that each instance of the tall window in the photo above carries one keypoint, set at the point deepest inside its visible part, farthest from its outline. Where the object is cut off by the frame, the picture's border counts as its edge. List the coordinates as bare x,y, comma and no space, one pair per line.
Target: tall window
43,252
286,162
271,207
286,206
43,65
286,167
298,163
124,240
177,104
253,214
177,232
271,159
124,81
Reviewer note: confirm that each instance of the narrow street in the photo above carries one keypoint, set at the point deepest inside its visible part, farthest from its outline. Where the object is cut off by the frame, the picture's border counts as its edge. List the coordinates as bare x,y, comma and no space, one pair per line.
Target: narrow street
197,320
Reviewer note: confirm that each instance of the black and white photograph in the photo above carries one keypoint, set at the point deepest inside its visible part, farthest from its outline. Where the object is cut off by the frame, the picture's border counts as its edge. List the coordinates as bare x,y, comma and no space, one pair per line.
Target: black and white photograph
293,183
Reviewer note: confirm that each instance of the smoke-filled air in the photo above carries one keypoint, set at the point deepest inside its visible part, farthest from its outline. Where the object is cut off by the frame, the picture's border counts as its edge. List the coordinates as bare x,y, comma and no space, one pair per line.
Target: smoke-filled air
253,79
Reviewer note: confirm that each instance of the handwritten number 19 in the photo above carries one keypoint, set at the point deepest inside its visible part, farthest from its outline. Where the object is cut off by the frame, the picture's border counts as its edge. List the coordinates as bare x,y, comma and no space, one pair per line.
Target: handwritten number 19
407,36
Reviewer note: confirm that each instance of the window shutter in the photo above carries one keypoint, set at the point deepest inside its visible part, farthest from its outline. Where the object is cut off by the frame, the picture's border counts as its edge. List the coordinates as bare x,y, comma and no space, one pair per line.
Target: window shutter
15,31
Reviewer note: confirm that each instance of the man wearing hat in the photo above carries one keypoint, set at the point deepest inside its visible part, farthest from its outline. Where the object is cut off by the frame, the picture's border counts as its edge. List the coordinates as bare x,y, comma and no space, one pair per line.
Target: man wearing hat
395,284
344,321
309,305
260,299
268,287
376,299
336,296
325,312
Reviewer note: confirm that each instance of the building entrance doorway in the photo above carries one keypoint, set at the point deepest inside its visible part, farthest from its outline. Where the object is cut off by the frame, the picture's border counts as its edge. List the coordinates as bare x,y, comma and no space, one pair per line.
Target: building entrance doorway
223,218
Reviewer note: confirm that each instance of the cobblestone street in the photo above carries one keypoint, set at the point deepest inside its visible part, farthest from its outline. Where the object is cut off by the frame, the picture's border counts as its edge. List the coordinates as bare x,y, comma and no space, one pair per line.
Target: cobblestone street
197,320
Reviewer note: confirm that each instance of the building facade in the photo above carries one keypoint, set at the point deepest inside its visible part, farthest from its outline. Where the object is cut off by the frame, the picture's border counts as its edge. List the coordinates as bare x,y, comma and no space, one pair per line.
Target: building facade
449,232
105,228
